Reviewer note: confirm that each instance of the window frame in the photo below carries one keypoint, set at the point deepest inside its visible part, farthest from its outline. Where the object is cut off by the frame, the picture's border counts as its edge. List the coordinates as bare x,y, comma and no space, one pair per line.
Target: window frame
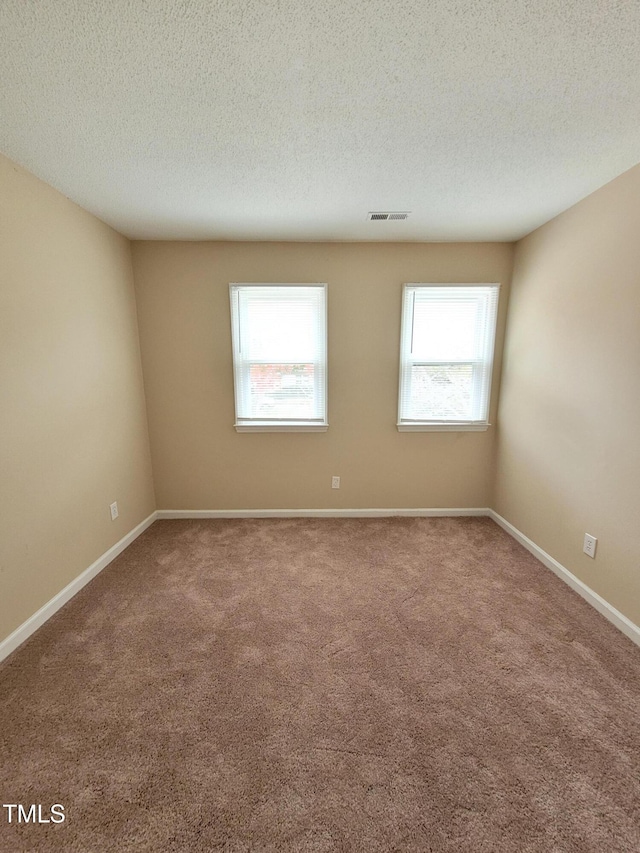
239,364
479,366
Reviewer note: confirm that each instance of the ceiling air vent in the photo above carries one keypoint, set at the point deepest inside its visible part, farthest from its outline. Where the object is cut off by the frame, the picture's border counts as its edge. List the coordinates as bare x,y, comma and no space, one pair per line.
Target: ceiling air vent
386,216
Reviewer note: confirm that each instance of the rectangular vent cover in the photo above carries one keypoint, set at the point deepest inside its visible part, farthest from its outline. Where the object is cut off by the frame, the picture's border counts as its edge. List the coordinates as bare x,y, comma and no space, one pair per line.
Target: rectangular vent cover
386,216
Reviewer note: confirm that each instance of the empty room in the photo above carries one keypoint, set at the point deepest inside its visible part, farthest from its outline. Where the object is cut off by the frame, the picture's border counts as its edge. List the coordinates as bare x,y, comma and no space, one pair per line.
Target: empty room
319,406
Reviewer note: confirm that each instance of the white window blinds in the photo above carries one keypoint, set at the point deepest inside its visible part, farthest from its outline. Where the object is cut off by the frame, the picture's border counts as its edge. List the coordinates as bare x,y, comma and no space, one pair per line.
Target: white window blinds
446,355
279,356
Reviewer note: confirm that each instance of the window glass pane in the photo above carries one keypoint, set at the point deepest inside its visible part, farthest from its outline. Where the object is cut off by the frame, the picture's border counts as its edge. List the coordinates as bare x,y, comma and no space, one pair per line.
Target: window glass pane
281,331
282,390
279,355
445,329
446,353
441,392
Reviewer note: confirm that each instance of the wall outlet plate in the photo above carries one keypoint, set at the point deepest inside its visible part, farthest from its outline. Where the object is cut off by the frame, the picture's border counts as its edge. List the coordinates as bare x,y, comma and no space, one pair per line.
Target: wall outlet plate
113,509
589,545
335,482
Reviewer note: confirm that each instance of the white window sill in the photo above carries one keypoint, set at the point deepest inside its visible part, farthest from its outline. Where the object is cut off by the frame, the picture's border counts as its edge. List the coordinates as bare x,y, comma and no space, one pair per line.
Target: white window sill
444,427
288,427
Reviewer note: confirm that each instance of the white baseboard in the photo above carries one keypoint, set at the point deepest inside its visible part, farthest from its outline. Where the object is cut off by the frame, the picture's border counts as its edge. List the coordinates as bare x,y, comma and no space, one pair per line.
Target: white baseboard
601,605
317,513
24,631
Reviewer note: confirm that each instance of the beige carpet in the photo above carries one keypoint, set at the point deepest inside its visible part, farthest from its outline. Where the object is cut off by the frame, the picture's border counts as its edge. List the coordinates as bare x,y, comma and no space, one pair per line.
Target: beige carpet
324,685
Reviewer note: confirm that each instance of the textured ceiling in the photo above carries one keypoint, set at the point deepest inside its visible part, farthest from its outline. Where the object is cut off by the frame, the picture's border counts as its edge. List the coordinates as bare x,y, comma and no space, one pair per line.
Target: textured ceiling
285,119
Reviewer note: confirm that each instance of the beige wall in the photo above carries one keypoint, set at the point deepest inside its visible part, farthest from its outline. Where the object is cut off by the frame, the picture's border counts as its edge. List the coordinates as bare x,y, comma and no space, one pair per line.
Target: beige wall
72,415
568,448
564,458
200,462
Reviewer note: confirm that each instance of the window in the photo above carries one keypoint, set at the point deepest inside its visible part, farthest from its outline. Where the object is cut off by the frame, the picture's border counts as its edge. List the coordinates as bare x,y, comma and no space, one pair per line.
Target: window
280,356
446,356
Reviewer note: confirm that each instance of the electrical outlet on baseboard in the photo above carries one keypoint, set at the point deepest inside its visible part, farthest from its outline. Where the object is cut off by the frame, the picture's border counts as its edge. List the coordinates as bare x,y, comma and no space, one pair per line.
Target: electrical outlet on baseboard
113,509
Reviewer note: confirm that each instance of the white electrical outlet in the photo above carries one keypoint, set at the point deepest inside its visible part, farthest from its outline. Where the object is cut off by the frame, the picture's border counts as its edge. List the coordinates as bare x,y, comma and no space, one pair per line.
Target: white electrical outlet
113,509
335,482
589,546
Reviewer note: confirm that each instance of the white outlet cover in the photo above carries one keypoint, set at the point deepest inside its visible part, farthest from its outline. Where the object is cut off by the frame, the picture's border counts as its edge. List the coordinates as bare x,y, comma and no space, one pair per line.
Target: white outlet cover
589,545
113,509
335,482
